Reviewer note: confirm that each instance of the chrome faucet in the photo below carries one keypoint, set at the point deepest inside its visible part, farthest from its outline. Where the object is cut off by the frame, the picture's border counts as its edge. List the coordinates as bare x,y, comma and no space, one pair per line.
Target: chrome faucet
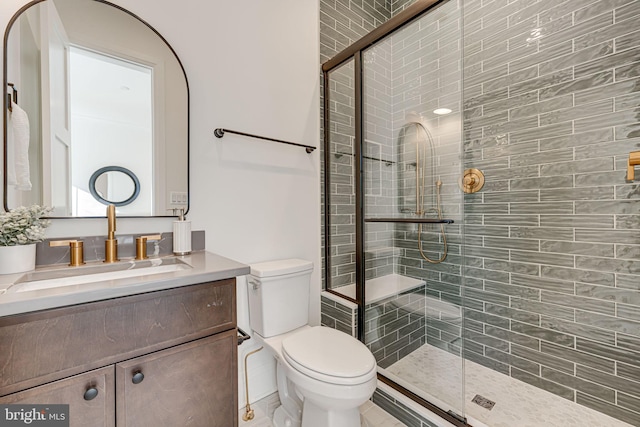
111,244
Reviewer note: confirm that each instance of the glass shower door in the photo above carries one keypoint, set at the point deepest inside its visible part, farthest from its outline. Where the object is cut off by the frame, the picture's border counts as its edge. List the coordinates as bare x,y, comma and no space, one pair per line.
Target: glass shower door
412,207
393,218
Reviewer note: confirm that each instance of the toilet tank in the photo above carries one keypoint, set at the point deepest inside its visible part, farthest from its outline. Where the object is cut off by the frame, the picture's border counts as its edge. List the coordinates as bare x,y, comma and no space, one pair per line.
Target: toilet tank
278,294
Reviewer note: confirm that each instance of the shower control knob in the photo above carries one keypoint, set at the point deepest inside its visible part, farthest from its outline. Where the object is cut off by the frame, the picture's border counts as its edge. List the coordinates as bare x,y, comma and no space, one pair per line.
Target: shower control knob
472,181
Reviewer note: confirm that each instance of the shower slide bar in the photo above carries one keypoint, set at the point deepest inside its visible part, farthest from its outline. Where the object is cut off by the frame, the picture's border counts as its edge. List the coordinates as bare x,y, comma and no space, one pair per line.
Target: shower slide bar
219,133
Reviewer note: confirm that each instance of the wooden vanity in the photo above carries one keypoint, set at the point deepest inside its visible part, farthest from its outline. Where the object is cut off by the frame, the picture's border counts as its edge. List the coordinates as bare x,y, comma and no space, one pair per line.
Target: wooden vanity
160,358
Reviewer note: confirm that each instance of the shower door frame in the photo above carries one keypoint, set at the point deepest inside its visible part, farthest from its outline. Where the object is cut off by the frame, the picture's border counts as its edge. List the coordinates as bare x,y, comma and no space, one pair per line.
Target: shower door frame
354,51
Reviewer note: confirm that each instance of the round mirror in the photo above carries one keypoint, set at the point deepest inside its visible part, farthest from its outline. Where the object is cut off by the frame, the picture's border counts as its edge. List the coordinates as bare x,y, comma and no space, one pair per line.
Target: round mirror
114,185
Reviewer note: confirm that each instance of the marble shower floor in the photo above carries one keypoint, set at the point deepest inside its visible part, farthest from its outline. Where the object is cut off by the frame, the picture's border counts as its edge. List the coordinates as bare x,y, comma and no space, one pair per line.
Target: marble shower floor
370,414
517,403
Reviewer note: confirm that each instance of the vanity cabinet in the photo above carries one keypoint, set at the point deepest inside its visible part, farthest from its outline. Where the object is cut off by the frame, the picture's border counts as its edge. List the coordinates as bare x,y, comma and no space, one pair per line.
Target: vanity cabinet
164,358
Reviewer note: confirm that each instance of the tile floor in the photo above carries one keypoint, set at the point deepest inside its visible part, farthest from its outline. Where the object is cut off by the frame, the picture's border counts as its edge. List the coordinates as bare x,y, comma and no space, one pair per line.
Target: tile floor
429,368
517,403
371,414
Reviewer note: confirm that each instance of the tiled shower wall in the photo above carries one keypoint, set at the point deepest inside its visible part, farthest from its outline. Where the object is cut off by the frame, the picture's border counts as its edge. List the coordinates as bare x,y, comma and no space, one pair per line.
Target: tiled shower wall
395,326
342,22
552,94
552,251
380,160
405,79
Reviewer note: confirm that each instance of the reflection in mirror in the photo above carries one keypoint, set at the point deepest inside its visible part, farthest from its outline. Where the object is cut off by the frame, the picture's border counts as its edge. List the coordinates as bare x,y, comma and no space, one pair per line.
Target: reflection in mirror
99,87
111,185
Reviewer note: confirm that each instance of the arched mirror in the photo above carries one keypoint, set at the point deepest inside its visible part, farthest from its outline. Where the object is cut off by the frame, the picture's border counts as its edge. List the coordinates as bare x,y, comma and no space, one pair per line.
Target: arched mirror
98,87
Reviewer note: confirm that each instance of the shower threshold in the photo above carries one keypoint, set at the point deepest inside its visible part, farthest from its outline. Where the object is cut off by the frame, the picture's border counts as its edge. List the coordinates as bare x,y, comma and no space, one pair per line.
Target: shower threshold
434,374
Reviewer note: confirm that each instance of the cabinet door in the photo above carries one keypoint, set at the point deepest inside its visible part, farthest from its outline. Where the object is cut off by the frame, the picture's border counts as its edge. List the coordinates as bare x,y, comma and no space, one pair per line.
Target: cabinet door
190,385
90,397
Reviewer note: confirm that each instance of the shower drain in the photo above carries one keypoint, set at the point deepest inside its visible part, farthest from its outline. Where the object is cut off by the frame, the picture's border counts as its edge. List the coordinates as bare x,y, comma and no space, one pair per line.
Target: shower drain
483,401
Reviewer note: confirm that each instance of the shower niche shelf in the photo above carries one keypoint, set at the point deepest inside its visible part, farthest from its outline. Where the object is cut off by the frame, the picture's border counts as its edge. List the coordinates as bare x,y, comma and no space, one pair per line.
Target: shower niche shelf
411,220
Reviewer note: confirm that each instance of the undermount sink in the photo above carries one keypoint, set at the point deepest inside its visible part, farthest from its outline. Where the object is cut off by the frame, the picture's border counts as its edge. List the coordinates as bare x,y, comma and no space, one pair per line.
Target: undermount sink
39,280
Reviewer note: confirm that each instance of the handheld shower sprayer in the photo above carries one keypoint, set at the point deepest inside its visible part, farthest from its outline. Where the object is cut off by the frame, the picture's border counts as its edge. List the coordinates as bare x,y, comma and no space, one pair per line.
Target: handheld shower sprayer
421,160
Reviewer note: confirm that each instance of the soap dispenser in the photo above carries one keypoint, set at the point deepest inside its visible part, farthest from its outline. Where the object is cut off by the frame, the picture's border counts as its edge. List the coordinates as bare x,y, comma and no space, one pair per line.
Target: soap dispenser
181,234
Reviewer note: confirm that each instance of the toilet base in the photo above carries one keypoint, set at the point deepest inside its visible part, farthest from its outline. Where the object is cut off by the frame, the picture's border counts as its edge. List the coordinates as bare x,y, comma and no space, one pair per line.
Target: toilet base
289,413
281,418
314,416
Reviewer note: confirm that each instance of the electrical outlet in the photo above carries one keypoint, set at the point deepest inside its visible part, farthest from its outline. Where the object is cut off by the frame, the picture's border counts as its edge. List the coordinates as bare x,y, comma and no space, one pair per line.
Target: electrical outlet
178,198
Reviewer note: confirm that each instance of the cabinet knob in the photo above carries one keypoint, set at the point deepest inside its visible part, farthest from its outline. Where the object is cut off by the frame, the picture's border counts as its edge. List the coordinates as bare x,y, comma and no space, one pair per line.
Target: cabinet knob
137,377
91,393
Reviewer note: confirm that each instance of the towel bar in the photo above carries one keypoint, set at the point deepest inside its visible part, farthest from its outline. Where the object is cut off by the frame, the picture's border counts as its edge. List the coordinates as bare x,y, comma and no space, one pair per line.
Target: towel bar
219,133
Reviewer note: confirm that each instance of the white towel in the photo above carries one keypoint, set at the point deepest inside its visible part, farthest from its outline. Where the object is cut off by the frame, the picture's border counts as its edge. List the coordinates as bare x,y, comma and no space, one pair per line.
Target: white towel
19,175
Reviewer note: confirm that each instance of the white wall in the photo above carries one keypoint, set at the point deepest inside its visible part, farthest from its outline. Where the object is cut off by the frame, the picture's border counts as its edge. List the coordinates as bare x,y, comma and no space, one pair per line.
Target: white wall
252,67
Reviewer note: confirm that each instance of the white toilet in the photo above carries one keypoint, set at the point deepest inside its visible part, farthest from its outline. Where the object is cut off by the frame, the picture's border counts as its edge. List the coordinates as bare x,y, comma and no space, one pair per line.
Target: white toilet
323,375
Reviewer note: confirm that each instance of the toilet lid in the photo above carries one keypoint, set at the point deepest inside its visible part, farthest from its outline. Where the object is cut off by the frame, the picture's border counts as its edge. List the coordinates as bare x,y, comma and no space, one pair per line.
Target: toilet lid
328,352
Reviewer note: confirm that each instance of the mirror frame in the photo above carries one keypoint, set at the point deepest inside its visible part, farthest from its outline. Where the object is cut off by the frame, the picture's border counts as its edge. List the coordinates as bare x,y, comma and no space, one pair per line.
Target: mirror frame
5,105
97,174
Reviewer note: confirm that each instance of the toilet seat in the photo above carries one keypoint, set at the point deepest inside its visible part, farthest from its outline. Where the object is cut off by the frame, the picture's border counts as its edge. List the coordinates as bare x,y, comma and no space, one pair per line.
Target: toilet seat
328,355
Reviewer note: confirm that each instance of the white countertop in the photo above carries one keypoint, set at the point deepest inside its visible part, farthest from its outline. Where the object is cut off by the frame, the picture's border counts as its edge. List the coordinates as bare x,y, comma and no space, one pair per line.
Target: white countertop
205,267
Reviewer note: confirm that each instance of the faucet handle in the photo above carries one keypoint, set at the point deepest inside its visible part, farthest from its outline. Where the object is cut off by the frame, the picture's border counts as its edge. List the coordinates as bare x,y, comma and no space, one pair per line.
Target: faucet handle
141,245
76,250
634,160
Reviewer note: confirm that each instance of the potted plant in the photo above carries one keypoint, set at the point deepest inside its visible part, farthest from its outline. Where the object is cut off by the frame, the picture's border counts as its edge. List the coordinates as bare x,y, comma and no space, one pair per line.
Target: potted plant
20,229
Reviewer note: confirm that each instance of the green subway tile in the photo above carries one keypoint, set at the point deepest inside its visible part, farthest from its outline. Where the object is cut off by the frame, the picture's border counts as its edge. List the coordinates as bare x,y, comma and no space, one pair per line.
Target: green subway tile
578,356
578,275
587,387
589,304
551,310
611,381
549,386
614,411
579,330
